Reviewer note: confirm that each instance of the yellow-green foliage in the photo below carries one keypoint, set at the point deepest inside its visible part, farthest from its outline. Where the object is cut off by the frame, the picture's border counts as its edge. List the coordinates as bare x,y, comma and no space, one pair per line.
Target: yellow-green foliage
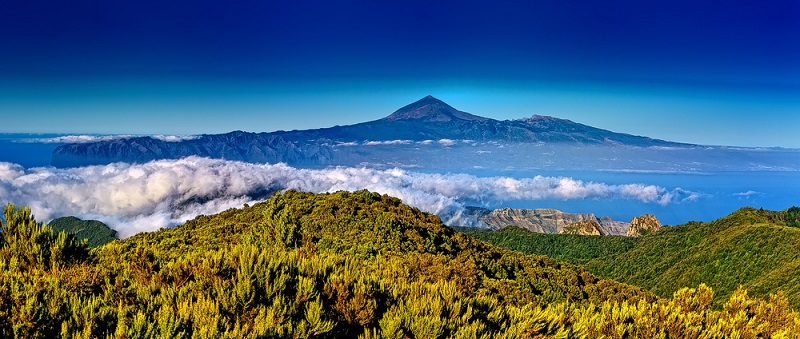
746,248
342,265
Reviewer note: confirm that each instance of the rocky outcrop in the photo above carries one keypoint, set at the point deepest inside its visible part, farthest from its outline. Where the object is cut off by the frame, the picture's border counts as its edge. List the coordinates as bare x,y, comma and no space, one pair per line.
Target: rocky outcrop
542,220
586,227
643,225
549,220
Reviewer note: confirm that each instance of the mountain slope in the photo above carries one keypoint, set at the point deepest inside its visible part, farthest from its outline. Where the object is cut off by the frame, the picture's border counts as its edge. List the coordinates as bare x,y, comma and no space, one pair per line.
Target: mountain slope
749,247
343,265
573,248
95,232
427,119
752,248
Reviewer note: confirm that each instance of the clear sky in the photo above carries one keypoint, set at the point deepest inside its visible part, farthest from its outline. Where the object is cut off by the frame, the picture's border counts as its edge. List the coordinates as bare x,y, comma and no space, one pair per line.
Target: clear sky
708,72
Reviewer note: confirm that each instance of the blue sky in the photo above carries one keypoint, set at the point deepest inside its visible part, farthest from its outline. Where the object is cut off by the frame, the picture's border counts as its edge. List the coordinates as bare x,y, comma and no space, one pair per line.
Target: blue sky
709,72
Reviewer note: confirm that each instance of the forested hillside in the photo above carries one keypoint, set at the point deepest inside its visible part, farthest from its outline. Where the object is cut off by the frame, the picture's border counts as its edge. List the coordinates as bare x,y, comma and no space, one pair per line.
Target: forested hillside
94,232
752,248
342,265
573,248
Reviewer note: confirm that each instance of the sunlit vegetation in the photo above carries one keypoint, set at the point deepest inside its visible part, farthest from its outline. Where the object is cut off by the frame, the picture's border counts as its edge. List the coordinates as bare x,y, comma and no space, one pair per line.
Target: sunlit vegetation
752,248
342,265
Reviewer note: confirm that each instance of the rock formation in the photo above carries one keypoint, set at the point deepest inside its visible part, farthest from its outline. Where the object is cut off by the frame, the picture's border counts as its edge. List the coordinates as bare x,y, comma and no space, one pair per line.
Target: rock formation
586,227
642,225
542,220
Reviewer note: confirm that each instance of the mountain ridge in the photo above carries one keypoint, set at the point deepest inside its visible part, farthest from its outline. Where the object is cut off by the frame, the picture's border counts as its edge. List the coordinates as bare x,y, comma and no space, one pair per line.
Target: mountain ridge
426,119
545,220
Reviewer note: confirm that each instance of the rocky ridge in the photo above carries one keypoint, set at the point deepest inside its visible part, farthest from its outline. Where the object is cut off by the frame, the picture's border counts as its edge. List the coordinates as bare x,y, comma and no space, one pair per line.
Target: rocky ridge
586,227
644,224
547,220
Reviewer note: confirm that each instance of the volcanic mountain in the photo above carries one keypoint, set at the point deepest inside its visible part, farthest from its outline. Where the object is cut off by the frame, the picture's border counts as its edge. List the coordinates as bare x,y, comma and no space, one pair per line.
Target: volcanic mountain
422,122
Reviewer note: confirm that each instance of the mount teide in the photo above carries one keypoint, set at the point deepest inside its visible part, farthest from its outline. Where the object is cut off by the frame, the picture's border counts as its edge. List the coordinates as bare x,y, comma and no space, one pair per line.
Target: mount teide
421,122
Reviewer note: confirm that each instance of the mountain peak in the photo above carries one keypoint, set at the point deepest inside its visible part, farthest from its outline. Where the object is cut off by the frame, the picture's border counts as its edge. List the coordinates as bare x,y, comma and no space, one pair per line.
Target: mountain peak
431,109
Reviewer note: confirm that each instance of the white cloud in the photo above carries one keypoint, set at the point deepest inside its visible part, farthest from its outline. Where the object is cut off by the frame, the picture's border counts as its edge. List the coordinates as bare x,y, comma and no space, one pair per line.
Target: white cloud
747,194
133,198
447,142
387,142
352,143
82,139
174,138
76,139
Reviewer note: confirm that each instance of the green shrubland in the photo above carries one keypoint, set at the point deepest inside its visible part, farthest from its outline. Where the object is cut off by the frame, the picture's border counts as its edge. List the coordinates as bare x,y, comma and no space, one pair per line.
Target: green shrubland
341,265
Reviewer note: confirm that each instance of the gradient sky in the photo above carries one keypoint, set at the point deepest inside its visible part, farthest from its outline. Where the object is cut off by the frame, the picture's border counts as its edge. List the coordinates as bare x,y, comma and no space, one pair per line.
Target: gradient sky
708,72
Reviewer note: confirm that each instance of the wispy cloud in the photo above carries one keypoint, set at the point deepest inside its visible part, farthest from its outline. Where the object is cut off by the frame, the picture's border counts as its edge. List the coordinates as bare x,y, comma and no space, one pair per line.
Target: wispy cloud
747,194
387,142
142,197
81,139
447,142
174,138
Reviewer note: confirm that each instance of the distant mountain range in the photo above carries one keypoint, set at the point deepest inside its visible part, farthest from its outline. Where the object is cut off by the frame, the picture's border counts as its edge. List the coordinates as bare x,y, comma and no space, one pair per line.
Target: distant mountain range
429,124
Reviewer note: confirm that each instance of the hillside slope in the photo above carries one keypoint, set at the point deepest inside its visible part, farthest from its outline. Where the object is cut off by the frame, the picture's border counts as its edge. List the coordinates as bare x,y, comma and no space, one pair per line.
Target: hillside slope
342,265
750,247
574,248
94,232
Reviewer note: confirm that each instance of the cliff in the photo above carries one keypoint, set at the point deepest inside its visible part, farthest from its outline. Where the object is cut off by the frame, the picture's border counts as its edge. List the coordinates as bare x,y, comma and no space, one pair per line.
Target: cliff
643,225
586,227
548,220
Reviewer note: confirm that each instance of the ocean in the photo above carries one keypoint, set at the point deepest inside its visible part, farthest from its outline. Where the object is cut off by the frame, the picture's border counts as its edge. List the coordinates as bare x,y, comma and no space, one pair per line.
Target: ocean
685,195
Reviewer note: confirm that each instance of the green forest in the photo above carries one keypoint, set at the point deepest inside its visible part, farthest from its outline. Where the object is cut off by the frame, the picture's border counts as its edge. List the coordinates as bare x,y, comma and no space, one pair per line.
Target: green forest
753,248
341,265
94,232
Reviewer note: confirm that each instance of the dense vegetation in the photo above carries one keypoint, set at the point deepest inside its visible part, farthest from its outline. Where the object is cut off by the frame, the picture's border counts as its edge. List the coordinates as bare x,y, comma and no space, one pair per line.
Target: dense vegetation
792,216
566,247
752,248
94,232
340,265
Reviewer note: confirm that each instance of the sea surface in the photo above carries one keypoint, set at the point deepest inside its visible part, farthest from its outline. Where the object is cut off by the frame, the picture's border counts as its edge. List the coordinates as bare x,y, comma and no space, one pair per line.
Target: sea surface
708,195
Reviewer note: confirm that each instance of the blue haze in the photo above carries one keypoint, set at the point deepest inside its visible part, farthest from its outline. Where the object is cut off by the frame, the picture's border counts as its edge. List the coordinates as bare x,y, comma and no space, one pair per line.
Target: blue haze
724,179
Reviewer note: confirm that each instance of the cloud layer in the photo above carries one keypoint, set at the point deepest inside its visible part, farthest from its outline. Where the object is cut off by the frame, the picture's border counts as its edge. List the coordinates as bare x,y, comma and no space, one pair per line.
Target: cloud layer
134,198
82,139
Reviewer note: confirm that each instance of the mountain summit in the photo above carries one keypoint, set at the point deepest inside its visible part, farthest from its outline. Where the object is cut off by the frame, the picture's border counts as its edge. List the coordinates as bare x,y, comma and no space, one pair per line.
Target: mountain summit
431,109
428,121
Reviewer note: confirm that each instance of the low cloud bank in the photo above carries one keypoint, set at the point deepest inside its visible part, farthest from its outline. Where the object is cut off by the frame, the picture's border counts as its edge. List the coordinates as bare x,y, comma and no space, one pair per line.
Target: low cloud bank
82,139
133,198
